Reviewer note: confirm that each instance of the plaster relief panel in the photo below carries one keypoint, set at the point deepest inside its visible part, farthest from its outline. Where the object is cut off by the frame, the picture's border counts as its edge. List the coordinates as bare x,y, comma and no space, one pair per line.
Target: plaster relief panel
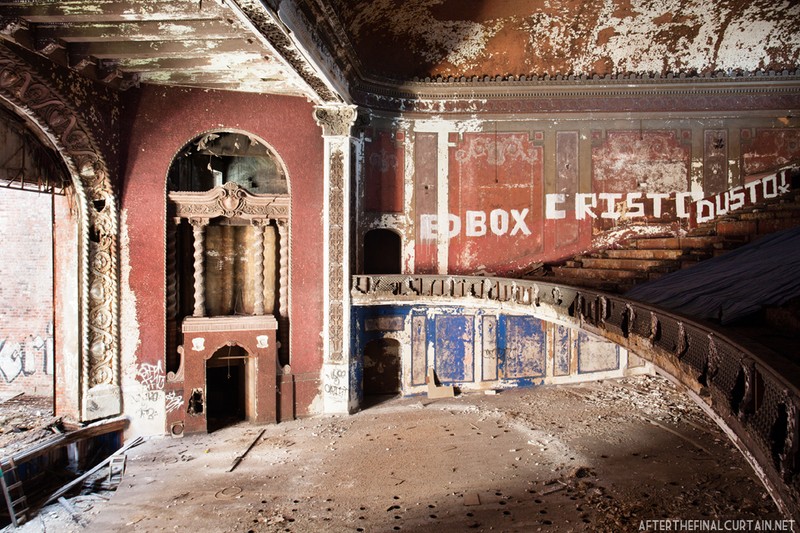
425,199
525,347
596,354
454,347
715,161
652,163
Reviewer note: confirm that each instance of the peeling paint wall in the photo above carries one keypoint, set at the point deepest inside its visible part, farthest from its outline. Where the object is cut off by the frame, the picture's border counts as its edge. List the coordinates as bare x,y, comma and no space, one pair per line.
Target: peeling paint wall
157,123
479,349
429,38
500,195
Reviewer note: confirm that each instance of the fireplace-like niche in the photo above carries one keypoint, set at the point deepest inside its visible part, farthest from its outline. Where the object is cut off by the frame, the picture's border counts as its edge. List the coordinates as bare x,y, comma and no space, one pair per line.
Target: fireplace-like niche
227,277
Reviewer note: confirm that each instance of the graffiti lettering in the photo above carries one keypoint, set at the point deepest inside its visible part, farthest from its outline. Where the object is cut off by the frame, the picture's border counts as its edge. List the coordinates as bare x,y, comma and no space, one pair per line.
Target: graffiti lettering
174,401
20,359
336,383
605,205
10,360
737,197
152,376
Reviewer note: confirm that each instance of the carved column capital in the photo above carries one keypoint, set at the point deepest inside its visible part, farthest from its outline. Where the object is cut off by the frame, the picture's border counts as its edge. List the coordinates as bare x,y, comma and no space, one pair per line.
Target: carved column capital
335,120
198,222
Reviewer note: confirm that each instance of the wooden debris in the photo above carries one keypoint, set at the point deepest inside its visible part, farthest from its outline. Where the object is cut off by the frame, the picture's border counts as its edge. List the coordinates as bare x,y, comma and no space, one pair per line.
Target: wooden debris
65,488
72,511
240,457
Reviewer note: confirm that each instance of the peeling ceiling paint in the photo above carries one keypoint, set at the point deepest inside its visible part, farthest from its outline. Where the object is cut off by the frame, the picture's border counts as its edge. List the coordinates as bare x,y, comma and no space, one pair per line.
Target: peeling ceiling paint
402,39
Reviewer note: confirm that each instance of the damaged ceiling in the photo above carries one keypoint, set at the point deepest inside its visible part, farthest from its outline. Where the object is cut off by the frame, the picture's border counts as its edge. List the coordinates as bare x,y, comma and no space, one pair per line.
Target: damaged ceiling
327,50
403,39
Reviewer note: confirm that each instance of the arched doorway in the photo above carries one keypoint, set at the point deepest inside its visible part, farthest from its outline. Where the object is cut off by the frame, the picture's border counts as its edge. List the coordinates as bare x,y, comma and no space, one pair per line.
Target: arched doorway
228,398
382,252
93,363
382,368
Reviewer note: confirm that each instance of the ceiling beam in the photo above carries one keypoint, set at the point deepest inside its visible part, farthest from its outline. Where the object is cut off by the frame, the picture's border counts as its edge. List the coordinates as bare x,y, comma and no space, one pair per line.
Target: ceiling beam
151,30
112,11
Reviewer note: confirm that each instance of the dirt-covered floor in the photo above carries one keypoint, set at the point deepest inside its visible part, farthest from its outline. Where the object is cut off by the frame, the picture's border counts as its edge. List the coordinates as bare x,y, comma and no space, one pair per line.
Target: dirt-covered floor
595,457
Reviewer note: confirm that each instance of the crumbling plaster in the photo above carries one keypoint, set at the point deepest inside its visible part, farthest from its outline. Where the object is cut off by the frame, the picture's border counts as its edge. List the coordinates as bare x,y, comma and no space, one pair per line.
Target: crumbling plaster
451,38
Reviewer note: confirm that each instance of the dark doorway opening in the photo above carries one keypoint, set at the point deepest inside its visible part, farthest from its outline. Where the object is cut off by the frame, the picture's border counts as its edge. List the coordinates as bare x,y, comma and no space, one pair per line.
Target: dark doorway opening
226,390
382,252
382,370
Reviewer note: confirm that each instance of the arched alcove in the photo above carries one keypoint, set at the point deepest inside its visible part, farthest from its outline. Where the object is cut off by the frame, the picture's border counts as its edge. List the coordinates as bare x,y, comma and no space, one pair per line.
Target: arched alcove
382,252
228,234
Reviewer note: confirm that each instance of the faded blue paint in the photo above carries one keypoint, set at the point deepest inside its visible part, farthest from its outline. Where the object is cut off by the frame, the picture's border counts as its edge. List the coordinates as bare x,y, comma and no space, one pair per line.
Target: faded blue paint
561,347
522,344
454,348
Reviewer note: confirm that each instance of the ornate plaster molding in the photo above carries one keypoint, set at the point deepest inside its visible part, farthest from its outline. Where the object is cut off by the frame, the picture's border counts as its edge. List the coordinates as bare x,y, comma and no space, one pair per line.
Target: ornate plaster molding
268,25
63,127
335,121
230,201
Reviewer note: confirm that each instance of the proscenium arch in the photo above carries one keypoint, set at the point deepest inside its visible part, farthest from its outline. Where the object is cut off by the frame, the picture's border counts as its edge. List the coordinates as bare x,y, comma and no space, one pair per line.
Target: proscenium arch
58,125
284,269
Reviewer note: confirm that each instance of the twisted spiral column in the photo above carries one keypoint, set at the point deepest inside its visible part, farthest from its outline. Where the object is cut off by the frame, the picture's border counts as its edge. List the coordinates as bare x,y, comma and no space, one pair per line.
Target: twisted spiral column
198,231
258,268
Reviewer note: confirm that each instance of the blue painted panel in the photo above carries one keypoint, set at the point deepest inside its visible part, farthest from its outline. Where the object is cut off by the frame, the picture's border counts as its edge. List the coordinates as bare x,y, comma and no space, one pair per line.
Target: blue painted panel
561,348
524,346
596,354
453,352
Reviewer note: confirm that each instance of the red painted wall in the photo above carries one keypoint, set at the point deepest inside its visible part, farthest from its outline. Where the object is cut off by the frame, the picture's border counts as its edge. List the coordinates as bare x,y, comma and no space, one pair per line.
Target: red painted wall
157,122
488,172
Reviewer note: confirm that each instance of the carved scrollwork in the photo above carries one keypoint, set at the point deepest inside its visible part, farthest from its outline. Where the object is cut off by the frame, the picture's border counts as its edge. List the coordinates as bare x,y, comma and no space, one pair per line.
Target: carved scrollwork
231,201
27,92
335,120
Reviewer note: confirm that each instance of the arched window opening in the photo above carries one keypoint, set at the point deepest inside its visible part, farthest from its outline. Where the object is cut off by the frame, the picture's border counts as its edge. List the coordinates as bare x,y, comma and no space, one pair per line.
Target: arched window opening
227,157
382,252
39,272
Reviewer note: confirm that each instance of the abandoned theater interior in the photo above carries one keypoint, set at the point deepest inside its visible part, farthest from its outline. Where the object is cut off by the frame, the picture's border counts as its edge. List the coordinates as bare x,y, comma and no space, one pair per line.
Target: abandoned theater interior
252,212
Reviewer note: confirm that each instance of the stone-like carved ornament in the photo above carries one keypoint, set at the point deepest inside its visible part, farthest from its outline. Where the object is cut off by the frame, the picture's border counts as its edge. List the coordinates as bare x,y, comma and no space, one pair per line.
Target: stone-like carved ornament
230,201
335,120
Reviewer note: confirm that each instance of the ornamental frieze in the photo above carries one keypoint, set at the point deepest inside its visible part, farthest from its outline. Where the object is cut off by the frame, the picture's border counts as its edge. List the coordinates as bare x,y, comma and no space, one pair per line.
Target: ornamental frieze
231,201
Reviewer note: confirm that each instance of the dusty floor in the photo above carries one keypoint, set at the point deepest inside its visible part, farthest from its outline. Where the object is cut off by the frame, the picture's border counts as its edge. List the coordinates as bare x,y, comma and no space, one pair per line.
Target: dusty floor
596,457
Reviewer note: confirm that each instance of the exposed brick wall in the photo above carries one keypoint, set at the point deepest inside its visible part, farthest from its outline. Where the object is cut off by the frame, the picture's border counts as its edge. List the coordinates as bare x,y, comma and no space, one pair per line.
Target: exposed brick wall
26,293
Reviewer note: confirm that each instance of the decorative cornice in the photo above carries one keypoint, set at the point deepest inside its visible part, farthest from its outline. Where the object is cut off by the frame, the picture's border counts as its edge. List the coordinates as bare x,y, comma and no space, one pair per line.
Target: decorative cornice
230,201
582,94
267,23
